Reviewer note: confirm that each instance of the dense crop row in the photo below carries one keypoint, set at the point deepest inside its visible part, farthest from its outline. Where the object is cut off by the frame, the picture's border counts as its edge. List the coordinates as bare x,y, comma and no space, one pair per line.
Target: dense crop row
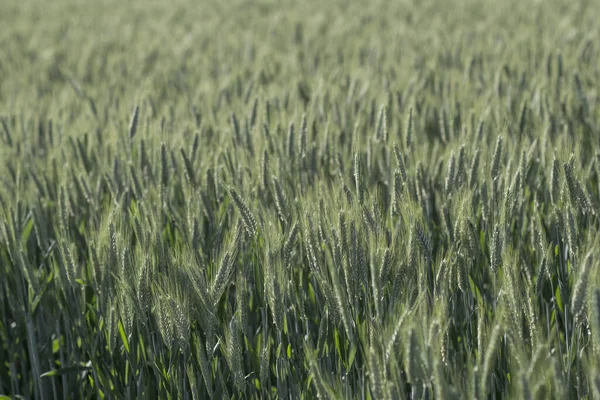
252,200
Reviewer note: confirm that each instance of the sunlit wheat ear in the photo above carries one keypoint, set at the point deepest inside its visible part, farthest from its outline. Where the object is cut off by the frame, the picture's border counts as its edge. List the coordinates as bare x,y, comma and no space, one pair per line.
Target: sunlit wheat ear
440,277
349,195
235,352
241,301
400,162
474,170
542,275
358,178
496,159
244,210
288,246
381,131
386,267
578,299
265,366
68,263
450,174
303,136
164,319
342,304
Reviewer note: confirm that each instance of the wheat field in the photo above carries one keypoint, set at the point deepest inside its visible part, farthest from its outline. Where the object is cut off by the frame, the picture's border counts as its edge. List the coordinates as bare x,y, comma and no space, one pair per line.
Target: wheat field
298,200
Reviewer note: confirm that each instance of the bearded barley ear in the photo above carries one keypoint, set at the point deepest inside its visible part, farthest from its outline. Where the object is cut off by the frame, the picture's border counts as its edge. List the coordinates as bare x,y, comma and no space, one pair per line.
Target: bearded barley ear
343,228
112,325
559,66
273,292
423,242
63,211
460,169
485,201
164,166
303,136
443,126
244,210
554,181
533,322
68,262
253,113
188,167
342,304
571,184
288,246
412,249
440,277
265,367
7,132
369,219
280,201
480,131
447,223
381,130
376,378
237,132
413,361
113,256
358,179
133,123
462,272
397,193
324,390
241,300
474,169
496,250
291,141
222,277
408,131
349,195
542,275
181,317
265,171
523,118
164,319
571,233
386,267
581,285
400,161
489,360
496,159
450,174
235,353
353,274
